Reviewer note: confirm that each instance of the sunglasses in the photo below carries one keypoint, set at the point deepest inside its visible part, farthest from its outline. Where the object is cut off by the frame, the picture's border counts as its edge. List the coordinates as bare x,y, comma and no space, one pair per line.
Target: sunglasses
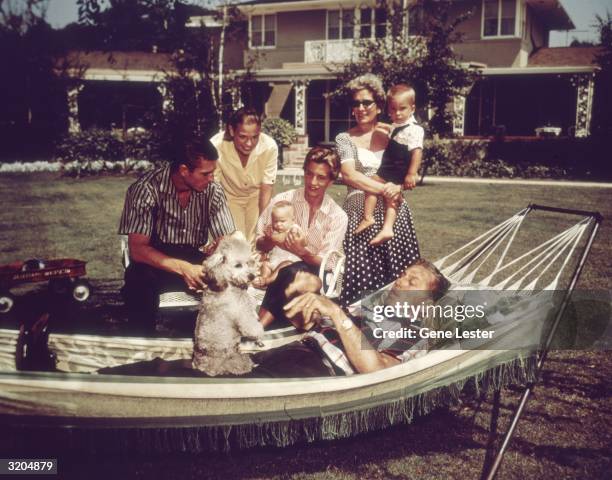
364,103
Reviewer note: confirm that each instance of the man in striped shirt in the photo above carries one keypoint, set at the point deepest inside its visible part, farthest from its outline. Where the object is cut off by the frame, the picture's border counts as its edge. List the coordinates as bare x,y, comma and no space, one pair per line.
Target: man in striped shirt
321,220
341,345
168,214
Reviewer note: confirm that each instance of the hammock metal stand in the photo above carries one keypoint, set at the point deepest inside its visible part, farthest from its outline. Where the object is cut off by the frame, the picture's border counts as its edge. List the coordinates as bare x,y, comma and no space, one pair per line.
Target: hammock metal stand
597,220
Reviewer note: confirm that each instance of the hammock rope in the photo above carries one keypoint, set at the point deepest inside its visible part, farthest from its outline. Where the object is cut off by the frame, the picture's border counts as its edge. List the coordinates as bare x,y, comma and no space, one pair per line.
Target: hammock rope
512,230
536,262
530,266
487,240
555,282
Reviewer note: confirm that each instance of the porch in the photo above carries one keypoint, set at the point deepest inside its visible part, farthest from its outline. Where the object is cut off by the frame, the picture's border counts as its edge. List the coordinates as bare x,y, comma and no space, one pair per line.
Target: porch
529,105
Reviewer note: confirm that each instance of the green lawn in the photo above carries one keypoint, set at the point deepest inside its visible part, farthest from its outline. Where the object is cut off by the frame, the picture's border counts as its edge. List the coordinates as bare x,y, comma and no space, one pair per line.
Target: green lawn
564,433
46,217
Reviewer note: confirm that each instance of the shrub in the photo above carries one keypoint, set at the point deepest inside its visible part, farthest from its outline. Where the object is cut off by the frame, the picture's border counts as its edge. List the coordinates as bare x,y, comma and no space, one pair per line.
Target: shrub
577,157
96,151
146,145
454,158
96,167
280,130
525,158
89,145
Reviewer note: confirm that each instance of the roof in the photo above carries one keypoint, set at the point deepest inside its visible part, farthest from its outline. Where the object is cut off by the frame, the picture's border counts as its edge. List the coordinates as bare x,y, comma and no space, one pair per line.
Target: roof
134,61
551,12
189,9
271,6
563,57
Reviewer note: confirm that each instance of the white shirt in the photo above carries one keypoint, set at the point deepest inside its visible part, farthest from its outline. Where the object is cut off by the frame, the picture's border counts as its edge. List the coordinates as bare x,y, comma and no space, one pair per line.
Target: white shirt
411,136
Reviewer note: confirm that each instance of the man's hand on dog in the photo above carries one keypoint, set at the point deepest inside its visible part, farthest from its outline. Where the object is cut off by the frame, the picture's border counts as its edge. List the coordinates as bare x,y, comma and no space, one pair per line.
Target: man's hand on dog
193,276
210,247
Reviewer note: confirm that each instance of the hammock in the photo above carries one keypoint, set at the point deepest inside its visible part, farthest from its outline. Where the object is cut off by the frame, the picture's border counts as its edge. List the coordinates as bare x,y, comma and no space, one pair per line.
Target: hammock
195,414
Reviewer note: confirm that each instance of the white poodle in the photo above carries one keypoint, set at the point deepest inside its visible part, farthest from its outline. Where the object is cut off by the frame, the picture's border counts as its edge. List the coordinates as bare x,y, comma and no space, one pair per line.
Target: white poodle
227,312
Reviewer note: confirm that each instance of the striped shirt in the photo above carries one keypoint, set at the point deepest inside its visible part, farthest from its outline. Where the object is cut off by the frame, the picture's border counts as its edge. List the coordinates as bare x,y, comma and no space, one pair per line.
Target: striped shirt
152,208
327,229
332,350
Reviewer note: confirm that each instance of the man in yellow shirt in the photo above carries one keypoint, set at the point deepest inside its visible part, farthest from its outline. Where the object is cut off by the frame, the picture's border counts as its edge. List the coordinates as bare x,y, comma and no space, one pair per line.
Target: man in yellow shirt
247,168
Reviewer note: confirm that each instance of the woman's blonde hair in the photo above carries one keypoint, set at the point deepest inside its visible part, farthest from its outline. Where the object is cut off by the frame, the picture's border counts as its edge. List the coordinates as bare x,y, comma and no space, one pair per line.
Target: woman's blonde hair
369,82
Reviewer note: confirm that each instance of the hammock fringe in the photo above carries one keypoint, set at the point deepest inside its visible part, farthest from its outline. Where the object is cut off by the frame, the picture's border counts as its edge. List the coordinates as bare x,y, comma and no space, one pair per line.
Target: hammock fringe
224,438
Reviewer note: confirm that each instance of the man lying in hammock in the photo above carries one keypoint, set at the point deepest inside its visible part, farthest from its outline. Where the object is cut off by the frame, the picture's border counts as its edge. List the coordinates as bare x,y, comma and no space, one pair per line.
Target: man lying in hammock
334,344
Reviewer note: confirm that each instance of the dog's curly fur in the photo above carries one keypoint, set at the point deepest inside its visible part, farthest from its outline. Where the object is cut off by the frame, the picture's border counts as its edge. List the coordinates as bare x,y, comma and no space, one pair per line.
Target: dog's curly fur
227,312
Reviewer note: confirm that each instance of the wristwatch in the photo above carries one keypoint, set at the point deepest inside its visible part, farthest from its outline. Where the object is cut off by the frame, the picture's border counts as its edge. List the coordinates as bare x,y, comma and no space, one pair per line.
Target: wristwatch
347,324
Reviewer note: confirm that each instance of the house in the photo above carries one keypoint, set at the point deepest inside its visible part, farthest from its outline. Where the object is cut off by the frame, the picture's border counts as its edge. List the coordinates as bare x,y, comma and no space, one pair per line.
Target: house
292,48
114,89
526,84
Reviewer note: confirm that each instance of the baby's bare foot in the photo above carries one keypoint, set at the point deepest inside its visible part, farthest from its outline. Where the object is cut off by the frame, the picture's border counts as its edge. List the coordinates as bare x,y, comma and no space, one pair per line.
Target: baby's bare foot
364,225
382,237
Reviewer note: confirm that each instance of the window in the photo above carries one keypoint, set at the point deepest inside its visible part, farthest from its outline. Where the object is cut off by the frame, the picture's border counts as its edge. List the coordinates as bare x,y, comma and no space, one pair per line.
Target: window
365,22
381,22
263,31
372,22
416,20
499,18
340,24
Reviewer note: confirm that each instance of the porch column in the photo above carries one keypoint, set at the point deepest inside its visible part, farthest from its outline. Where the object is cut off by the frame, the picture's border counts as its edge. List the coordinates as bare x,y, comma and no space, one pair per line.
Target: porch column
236,98
73,107
166,97
300,106
459,115
584,104
327,119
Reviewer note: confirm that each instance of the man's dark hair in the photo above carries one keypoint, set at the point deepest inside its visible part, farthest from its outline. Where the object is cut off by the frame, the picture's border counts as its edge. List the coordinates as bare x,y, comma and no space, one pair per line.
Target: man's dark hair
324,156
276,298
244,115
195,150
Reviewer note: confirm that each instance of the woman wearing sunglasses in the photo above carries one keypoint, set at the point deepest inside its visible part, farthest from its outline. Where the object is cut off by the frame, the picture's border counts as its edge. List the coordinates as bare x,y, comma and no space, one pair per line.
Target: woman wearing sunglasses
369,267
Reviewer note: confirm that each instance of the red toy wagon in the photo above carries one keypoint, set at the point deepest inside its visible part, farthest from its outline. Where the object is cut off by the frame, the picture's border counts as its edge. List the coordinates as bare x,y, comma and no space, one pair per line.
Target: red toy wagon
63,276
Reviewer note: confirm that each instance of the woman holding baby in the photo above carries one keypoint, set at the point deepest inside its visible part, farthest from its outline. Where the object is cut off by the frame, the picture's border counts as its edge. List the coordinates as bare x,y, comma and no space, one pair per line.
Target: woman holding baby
373,260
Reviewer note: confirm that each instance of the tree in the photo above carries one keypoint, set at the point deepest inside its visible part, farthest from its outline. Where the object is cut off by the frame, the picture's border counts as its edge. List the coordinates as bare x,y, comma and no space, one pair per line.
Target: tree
31,93
576,42
193,85
418,50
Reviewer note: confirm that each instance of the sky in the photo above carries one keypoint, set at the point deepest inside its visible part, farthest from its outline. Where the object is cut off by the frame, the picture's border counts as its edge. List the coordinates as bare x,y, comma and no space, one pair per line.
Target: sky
582,12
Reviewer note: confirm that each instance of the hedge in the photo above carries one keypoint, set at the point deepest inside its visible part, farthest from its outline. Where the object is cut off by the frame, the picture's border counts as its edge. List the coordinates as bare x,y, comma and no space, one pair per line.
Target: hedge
526,158
96,151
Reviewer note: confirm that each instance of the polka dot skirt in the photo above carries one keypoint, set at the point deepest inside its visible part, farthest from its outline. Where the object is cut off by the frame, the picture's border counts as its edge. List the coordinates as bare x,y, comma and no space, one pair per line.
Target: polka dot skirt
369,268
